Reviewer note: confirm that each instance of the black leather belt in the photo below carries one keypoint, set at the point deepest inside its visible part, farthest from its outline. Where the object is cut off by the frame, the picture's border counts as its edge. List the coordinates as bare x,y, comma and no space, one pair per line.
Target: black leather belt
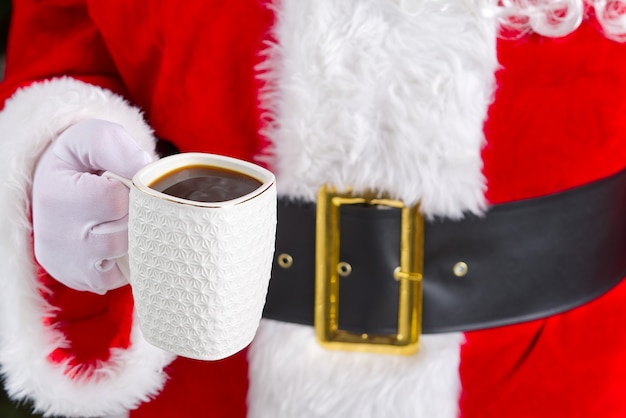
523,260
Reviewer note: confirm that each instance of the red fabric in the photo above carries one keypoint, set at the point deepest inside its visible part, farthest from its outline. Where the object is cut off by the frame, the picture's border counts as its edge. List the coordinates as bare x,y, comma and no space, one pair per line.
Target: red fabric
62,29
557,122
214,389
571,365
557,119
203,101
79,315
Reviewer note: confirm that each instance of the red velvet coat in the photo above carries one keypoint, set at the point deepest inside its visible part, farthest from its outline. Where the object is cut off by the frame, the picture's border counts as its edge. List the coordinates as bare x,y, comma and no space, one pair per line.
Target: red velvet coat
293,86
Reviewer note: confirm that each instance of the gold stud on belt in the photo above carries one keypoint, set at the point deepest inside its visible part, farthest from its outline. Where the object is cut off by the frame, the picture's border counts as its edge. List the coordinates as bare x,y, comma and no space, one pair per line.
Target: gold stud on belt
409,274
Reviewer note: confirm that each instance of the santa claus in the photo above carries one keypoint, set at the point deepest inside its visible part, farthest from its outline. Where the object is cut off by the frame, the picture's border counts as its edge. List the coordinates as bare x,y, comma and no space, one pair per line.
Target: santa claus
501,122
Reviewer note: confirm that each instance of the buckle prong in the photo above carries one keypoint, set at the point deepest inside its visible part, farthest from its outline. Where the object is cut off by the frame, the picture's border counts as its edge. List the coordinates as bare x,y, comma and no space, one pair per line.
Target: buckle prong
398,274
409,275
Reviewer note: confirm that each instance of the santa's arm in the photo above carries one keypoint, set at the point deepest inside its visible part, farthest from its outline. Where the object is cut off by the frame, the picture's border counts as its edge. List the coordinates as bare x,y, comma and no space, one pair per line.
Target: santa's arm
73,353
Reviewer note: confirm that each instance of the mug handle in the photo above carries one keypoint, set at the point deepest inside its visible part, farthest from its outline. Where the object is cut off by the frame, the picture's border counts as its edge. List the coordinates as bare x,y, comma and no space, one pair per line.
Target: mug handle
122,262
127,182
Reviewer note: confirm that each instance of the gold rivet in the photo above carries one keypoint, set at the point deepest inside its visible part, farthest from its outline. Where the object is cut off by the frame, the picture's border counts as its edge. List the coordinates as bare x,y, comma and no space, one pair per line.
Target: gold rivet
285,260
344,269
460,269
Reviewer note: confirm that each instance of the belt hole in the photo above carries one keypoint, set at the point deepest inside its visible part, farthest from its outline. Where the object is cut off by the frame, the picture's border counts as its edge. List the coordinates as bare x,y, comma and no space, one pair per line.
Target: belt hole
285,260
460,269
344,269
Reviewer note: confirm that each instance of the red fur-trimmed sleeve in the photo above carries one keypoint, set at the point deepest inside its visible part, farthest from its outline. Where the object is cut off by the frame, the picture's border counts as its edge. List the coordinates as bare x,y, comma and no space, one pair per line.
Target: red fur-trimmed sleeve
52,38
73,353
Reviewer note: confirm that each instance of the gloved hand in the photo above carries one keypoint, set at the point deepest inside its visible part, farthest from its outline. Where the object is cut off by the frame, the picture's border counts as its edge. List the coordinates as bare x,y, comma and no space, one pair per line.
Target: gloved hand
79,217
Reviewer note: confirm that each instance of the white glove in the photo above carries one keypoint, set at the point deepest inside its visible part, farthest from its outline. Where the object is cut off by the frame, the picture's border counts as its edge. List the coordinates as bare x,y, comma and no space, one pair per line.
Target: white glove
80,218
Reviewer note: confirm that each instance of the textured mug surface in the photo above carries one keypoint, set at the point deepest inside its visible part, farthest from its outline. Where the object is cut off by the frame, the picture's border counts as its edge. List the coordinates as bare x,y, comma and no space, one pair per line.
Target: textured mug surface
200,272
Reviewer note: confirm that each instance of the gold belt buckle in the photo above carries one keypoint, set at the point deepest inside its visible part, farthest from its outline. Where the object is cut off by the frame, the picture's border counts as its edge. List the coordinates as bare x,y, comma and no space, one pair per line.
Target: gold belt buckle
409,274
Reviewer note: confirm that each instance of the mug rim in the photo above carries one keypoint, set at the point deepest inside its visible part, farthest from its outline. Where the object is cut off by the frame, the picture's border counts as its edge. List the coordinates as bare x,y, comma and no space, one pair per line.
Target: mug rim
158,168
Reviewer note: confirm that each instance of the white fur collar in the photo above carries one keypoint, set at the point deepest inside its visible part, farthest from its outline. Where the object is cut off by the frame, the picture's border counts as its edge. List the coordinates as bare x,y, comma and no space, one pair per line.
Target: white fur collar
383,95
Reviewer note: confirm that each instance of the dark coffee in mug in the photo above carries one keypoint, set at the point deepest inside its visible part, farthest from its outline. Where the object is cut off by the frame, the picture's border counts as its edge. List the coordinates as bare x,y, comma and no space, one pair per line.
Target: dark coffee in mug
202,183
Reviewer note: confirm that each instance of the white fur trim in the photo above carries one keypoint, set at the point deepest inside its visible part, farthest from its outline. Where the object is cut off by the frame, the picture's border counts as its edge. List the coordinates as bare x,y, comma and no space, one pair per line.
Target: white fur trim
385,95
308,381
29,121
389,95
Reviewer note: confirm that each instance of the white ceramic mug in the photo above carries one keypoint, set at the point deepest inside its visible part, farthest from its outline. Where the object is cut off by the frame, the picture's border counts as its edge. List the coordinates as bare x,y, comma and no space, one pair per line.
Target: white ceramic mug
199,271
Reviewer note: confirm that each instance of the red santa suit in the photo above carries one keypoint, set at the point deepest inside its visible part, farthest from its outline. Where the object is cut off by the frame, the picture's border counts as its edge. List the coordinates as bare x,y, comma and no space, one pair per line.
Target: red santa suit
421,100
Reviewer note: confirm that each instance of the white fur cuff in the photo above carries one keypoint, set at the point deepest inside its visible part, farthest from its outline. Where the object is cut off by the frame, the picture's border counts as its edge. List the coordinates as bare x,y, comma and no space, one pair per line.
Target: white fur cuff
29,121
